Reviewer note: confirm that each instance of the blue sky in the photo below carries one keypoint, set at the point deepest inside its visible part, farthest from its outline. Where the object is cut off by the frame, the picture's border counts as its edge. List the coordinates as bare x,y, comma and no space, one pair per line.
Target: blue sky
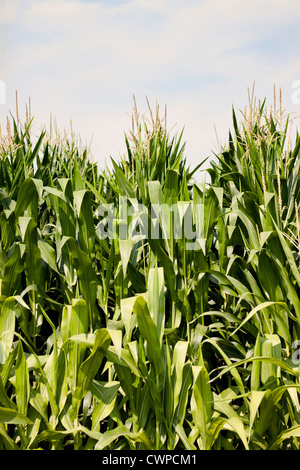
84,59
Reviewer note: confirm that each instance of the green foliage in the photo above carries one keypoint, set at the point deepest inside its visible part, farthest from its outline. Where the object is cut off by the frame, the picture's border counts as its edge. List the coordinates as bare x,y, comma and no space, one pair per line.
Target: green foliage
133,342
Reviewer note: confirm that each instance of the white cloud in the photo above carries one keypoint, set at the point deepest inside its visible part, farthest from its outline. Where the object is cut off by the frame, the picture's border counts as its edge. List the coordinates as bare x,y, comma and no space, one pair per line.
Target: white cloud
9,10
85,60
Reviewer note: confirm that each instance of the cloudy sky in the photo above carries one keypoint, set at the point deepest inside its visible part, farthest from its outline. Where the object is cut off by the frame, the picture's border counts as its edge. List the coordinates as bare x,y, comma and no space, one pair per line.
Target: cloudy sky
84,59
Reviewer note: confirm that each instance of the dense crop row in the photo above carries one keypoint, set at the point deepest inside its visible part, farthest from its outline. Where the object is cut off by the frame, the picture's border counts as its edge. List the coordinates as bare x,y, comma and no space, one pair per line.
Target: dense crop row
186,340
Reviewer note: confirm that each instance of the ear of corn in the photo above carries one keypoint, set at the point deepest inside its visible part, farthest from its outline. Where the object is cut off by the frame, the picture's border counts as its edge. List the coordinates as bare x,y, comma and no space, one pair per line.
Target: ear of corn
183,340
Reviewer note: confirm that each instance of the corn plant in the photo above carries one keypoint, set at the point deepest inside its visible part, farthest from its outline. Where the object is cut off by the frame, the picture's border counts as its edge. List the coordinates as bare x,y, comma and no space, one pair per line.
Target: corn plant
140,309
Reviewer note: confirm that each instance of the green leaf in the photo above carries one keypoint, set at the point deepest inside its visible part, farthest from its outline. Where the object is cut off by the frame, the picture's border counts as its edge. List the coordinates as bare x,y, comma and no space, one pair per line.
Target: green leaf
277,362
7,326
150,333
75,322
128,318
4,399
48,254
183,437
12,271
216,425
257,309
109,436
28,228
289,255
86,230
126,247
237,425
22,381
87,276
106,394
256,366
90,367
187,380
179,357
287,434
125,360
156,299
256,398
29,192
10,416
124,186
201,401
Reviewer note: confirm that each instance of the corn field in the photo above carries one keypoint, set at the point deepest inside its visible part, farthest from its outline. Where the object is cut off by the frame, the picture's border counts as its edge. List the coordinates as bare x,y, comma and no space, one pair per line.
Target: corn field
113,340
